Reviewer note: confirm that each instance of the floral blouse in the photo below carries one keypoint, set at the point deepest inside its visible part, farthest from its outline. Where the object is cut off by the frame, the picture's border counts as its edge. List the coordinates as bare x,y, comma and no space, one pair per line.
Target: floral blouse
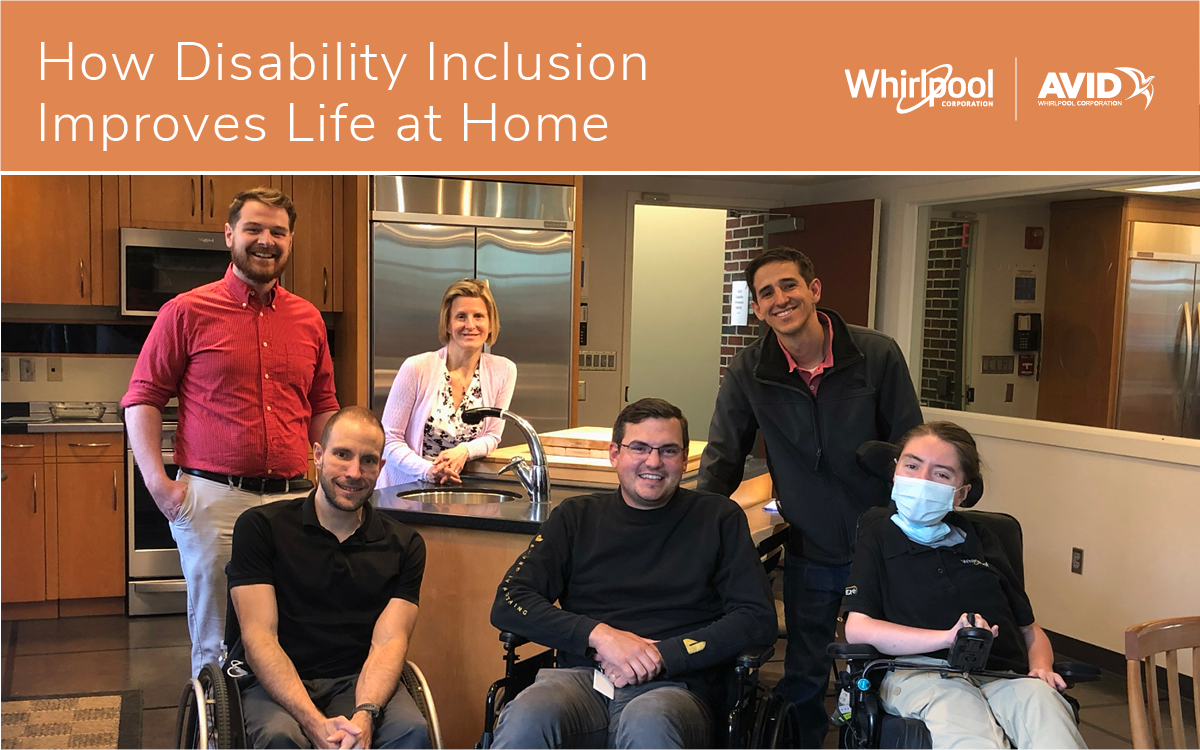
445,429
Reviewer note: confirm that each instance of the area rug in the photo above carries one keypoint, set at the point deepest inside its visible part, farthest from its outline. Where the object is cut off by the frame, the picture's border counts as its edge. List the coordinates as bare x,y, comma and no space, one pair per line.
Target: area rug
100,720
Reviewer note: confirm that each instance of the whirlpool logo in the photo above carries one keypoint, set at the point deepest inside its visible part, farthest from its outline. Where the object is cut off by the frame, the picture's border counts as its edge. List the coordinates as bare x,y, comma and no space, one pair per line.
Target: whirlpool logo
934,87
1095,88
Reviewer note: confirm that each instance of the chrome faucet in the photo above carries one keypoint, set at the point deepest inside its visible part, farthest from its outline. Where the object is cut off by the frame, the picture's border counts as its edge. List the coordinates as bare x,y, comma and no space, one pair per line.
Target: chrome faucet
535,475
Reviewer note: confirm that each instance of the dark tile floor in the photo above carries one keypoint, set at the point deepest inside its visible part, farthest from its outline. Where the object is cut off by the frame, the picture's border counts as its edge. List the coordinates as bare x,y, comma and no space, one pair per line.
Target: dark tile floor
97,654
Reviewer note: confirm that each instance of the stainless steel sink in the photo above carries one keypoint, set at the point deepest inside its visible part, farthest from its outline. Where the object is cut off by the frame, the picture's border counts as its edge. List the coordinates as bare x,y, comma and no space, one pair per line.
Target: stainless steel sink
460,496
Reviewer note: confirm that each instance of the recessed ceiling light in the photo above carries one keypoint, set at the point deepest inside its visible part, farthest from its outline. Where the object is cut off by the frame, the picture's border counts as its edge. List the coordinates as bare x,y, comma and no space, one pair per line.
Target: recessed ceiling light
1172,188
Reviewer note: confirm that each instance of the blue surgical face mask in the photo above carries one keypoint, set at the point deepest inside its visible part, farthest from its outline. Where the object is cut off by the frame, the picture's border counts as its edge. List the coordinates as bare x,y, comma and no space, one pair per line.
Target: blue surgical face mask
921,502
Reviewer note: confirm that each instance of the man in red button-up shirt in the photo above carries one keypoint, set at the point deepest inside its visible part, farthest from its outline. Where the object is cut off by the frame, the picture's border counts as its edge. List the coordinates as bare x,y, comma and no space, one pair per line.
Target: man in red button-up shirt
249,363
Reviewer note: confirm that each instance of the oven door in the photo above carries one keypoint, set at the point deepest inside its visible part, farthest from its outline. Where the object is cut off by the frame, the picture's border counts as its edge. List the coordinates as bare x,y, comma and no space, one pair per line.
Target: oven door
156,584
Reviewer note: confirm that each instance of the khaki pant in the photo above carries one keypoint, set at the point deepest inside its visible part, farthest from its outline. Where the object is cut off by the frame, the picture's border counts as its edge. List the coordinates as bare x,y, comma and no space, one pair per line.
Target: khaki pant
203,530
982,712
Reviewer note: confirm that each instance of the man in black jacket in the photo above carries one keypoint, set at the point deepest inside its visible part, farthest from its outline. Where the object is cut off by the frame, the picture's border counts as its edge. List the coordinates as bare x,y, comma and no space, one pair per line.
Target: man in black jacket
817,388
659,589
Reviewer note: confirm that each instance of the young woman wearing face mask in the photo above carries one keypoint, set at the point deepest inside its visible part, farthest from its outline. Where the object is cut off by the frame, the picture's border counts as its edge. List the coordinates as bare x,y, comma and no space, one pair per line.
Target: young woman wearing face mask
918,576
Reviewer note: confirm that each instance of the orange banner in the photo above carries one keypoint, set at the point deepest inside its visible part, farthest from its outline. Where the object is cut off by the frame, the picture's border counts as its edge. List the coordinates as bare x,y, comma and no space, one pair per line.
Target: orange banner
600,86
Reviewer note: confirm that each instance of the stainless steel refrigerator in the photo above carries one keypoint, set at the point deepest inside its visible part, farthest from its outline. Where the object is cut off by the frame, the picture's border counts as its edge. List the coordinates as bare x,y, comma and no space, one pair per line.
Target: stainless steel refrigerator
1159,386
429,232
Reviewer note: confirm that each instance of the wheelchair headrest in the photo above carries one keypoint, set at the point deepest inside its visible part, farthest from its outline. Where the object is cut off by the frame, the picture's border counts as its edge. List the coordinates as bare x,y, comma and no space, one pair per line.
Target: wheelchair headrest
878,458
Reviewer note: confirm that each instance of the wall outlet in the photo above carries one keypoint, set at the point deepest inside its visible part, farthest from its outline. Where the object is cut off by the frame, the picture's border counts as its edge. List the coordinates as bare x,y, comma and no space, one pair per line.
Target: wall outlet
54,371
28,369
1077,560
4,373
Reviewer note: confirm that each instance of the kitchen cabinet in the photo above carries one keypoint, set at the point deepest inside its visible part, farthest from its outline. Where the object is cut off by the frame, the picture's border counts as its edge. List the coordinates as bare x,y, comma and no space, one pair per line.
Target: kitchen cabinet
316,269
51,233
63,517
24,494
183,201
91,529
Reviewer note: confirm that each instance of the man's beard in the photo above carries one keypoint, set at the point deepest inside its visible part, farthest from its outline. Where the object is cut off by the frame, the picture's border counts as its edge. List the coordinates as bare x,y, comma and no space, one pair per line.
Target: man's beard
340,502
242,261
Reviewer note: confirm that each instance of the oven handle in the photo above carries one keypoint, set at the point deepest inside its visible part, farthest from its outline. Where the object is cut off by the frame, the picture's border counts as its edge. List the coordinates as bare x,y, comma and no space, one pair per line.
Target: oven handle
160,587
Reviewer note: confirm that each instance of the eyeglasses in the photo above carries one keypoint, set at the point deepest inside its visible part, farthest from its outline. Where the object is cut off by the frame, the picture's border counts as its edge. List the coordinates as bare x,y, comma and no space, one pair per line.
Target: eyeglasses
665,452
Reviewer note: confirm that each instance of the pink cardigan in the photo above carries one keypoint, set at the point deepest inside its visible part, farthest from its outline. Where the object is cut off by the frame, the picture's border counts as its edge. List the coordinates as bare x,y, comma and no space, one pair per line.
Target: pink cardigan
410,403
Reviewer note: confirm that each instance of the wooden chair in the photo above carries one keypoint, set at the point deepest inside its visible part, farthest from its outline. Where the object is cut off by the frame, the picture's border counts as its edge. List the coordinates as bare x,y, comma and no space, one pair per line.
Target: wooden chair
1142,645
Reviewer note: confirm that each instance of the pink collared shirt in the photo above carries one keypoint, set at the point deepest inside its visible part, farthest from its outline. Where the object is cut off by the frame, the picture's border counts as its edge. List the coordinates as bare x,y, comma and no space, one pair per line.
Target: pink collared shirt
812,378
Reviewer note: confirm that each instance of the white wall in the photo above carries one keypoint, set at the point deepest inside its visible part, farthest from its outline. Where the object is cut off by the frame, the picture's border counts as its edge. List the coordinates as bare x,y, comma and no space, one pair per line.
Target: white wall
88,378
675,313
999,251
1130,501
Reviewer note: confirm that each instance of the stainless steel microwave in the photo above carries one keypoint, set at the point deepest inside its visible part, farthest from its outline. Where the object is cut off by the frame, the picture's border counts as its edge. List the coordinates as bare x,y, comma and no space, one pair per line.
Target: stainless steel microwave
157,264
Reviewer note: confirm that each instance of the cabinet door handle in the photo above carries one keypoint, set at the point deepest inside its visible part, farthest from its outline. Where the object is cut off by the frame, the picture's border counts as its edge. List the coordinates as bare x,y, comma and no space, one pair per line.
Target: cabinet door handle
18,445
89,445
324,286
81,278
211,198
114,489
35,493
192,182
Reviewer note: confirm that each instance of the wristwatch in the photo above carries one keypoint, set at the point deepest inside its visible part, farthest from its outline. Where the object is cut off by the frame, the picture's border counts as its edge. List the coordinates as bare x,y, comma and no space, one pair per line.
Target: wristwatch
373,710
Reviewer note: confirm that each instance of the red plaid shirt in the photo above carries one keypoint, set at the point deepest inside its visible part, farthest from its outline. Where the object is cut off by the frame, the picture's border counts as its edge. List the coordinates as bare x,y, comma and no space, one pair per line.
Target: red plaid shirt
249,376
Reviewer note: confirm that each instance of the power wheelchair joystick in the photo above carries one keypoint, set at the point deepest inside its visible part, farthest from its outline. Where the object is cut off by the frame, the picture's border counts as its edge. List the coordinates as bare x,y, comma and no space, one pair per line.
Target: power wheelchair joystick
971,647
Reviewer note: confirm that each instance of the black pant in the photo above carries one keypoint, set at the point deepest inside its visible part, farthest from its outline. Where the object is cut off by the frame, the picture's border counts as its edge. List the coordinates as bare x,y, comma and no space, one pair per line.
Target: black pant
812,597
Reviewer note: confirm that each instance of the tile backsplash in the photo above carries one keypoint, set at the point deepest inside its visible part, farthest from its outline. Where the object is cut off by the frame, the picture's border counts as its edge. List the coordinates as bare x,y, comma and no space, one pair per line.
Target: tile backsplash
83,379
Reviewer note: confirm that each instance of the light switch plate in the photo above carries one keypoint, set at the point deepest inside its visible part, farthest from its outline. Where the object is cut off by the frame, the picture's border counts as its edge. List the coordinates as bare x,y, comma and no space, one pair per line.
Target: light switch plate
28,369
54,369
582,395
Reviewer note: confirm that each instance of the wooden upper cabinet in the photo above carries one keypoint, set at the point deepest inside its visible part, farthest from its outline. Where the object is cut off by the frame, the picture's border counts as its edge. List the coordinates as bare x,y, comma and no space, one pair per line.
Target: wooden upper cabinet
183,201
315,271
51,239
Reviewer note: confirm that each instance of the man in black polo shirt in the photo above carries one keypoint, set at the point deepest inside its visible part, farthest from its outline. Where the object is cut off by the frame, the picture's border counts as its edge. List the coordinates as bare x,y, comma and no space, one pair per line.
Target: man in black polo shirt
326,590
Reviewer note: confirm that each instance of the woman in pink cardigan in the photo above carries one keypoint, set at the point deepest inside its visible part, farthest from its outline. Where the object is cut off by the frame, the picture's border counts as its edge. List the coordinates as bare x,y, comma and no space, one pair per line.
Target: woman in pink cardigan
425,437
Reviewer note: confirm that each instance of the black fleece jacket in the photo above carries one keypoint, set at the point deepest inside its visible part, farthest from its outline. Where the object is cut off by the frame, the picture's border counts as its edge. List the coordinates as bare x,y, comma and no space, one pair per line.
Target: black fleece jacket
685,574
811,440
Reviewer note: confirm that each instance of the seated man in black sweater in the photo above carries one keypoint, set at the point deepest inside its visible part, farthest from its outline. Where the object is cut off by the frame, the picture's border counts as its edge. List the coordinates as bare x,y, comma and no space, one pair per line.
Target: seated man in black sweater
658,588
326,589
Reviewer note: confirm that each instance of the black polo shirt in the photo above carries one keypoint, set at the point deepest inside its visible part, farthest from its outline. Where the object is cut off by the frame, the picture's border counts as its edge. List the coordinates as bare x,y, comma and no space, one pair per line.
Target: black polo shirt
329,594
898,580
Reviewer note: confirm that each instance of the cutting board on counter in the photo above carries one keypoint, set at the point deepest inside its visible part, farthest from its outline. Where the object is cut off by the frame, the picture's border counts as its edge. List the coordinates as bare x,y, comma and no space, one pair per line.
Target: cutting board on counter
579,454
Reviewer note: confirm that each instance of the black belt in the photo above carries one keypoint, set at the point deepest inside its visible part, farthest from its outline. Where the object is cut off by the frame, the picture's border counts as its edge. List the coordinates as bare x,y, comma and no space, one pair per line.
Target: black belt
253,484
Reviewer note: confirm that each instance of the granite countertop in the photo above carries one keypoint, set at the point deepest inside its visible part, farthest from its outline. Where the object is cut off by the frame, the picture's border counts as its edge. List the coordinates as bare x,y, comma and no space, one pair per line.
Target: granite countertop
518,516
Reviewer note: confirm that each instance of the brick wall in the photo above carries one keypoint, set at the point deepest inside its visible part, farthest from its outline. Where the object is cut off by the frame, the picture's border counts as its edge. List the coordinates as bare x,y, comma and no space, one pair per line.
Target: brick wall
743,243
942,346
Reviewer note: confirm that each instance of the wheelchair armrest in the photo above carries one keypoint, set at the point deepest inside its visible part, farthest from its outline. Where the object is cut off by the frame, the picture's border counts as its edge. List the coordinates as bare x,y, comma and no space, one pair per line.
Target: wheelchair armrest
853,651
755,658
512,639
1074,671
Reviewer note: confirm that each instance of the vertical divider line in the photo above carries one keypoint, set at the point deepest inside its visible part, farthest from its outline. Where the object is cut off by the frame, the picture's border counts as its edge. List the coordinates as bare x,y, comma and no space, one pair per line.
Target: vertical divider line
1014,89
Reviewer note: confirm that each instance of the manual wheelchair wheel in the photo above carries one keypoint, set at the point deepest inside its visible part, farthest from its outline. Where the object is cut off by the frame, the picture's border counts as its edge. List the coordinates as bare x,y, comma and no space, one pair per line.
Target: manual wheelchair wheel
210,712
776,724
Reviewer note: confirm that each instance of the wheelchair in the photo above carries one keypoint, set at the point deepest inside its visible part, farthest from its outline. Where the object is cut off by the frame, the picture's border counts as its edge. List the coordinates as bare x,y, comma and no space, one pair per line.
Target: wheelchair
755,717
860,716
210,709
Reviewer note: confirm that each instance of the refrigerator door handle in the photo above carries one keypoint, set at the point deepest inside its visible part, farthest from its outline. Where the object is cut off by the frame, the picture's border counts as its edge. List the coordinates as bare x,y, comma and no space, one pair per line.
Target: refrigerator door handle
1184,331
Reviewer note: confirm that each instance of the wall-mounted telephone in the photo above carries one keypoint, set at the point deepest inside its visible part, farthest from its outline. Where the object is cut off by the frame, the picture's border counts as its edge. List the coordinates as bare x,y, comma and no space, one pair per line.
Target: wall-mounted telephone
1027,332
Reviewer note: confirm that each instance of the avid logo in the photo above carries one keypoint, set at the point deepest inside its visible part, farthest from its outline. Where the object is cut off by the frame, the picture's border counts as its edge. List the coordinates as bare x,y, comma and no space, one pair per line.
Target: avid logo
934,87
1095,89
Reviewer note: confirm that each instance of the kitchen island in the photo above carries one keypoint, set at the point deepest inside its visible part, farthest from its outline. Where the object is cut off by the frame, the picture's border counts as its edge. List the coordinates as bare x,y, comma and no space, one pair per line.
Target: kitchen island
469,548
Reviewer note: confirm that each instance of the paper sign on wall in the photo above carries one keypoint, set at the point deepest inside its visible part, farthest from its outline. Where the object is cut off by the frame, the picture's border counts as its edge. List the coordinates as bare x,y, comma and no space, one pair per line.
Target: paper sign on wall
739,302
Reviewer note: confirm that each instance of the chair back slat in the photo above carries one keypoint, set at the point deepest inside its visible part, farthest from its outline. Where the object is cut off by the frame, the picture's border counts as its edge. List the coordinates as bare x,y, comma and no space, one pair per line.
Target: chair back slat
1174,702
1142,645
